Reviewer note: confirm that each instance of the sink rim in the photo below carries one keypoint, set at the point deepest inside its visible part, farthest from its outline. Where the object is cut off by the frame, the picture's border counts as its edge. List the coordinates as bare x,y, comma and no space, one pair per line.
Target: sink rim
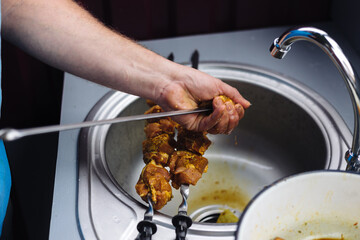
98,168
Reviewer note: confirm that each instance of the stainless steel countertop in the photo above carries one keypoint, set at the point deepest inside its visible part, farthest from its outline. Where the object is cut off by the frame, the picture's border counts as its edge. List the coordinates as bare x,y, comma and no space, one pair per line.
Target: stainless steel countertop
305,63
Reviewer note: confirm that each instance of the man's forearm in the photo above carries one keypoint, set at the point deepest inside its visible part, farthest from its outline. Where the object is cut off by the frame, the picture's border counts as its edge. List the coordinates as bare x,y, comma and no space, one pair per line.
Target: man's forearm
64,35
61,33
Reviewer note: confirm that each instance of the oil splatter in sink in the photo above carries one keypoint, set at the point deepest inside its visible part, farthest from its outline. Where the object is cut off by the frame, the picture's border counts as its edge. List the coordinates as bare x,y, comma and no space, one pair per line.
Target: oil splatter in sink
219,186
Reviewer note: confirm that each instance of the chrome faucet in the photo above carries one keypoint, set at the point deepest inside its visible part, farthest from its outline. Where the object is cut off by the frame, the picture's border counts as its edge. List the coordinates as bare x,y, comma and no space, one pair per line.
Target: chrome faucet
282,45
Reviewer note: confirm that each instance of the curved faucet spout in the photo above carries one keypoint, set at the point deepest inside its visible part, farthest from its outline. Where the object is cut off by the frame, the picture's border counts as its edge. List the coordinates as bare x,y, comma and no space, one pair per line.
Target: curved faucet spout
282,45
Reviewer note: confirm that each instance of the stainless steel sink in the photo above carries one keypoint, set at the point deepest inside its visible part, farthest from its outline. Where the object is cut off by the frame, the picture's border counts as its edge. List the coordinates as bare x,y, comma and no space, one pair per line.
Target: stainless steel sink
288,129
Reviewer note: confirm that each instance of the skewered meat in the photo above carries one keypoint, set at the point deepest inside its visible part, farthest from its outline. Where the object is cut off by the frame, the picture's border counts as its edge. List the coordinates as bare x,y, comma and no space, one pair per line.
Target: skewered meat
158,148
186,165
159,143
158,109
154,179
186,168
150,103
162,126
225,98
155,109
159,157
196,142
186,162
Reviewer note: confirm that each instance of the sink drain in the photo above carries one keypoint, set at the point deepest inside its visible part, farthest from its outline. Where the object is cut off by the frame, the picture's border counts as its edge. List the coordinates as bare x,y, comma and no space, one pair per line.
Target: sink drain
210,214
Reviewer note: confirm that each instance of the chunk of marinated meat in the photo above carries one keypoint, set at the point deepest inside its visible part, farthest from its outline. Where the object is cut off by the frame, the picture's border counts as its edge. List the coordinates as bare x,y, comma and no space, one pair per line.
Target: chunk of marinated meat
163,126
142,189
155,109
196,142
154,179
225,99
150,103
162,144
186,168
159,157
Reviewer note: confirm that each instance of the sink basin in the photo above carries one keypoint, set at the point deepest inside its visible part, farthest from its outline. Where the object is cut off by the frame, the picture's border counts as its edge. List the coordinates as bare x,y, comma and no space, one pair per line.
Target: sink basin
289,129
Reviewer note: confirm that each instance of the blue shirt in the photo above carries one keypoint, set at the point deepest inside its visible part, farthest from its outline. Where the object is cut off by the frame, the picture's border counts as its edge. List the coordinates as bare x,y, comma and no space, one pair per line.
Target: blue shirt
5,177
5,183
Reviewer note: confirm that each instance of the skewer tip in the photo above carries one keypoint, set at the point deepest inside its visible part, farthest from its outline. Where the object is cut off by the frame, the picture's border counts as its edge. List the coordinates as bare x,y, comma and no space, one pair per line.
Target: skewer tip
9,134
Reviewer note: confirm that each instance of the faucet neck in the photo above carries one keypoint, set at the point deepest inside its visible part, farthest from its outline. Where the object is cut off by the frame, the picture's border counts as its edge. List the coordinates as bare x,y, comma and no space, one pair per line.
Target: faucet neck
283,44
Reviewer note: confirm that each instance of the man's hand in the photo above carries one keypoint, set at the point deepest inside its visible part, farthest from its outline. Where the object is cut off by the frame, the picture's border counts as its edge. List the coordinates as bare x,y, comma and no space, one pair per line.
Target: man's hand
64,35
189,88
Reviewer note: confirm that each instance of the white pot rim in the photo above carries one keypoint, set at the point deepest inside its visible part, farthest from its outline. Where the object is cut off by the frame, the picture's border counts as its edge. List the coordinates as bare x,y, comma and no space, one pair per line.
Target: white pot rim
283,181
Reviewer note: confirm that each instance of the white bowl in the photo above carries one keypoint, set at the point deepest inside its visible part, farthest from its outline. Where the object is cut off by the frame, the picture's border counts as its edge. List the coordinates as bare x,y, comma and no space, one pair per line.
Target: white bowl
311,205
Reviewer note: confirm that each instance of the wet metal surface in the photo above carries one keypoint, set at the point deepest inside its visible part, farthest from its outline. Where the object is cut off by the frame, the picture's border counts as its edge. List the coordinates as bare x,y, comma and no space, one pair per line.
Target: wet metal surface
288,129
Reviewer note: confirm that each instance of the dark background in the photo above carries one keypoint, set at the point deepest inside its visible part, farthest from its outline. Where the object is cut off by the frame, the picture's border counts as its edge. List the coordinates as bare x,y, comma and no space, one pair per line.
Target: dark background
32,90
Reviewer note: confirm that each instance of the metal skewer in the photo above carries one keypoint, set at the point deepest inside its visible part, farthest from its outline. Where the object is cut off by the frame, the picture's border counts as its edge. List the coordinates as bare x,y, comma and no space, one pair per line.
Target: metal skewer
182,221
184,191
10,134
147,227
